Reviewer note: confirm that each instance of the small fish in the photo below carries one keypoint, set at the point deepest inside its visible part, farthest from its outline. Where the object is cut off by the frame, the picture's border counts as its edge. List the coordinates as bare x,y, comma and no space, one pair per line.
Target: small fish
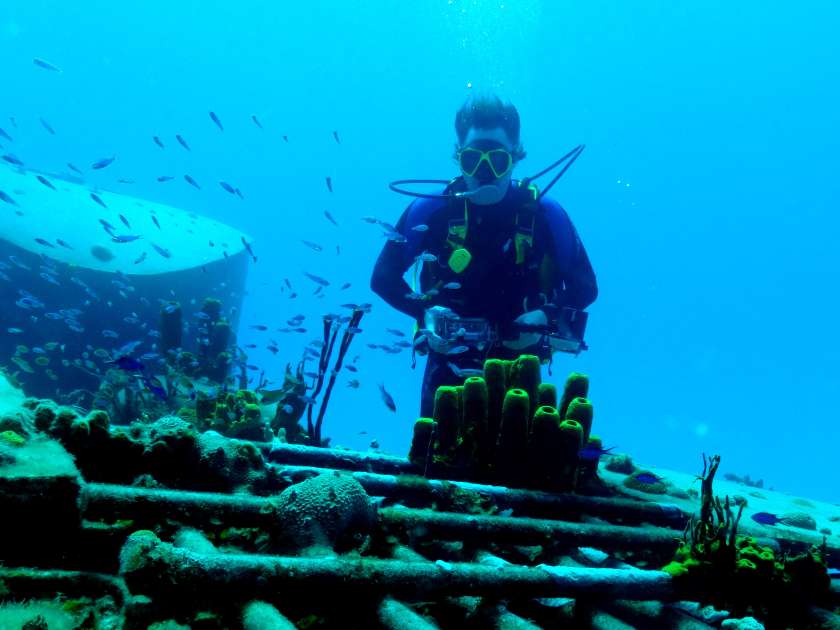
165,178
313,246
239,193
62,243
125,238
452,286
23,364
45,181
387,398
45,243
192,182
182,142
11,159
140,259
420,228
458,350
162,251
46,65
73,168
227,187
370,219
14,331
285,138
464,372
330,217
374,444
426,257
107,227
273,349
346,285
353,383
125,221
5,197
216,120
648,478
100,164
111,334
351,368
98,200
155,221
129,347
47,126
395,331
248,248
352,330
288,409
122,180
507,245
335,135
317,279
258,327
158,141
329,184
309,400
591,453
766,518
155,386
256,121
395,237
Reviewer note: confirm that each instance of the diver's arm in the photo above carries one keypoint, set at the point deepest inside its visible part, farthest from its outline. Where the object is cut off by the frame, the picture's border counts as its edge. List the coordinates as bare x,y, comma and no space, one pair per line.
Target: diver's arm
579,285
394,260
576,286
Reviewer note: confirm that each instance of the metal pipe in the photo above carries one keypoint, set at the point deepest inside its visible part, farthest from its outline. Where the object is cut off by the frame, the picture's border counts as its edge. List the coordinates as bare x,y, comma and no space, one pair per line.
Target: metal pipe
154,568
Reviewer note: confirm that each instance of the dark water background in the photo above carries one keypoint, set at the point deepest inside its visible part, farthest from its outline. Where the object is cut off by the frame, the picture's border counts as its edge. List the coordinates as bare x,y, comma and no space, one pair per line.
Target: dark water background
706,196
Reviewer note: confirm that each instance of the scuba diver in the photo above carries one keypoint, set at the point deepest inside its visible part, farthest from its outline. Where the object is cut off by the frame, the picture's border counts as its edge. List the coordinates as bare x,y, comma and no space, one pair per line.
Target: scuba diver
499,269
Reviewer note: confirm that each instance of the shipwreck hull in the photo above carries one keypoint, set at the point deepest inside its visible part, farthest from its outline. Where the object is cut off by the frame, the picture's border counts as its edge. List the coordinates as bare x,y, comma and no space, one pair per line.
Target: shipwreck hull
67,285
426,565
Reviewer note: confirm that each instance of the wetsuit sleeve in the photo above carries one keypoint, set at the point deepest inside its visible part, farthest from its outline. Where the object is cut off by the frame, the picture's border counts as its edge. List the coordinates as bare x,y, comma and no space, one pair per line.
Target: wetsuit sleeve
575,279
395,259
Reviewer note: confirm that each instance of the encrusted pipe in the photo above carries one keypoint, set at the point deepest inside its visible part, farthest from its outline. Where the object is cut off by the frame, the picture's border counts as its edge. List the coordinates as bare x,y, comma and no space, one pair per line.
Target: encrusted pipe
199,508
259,615
398,616
26,583
154,568
336,458
482,530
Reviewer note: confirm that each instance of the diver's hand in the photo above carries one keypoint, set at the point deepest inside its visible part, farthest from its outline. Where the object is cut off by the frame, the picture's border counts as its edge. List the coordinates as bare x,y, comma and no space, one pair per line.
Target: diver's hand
435,342
527,339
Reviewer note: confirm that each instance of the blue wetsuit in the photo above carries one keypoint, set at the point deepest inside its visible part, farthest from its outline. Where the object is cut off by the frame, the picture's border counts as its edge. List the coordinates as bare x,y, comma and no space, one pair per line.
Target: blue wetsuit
507,274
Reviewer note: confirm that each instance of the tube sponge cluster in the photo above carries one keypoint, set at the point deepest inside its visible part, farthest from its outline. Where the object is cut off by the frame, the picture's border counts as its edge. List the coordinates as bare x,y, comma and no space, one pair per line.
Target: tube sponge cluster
507,427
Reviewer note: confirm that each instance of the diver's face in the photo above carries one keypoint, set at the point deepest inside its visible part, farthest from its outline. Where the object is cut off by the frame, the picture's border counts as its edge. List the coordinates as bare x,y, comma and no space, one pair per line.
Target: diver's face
493,188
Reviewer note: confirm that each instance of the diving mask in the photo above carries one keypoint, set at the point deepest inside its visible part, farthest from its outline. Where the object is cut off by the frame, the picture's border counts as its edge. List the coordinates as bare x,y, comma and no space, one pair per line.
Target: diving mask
499,160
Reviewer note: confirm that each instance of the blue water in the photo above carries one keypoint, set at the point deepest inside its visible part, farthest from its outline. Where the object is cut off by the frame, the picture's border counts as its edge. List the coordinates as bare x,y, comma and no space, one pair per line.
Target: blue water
706,197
